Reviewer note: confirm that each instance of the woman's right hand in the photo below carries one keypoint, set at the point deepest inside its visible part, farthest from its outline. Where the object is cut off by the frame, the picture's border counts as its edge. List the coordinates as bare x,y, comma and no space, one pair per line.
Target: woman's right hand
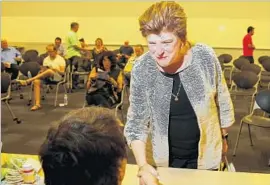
148,175
88,85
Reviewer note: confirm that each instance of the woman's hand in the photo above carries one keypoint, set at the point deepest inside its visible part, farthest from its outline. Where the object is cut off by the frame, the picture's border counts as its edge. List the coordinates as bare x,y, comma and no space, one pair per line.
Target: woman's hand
148,175
88,85
110,79
148,179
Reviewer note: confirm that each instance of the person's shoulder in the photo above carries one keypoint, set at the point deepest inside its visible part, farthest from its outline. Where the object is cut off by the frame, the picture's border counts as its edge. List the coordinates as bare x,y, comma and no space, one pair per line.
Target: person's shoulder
203,55
60,58
71,33
46,59
203,49
143,62
247,36
12,48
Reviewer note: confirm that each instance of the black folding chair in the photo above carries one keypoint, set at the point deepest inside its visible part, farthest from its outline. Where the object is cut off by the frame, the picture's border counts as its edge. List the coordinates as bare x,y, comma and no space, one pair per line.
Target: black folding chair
6,90
29,70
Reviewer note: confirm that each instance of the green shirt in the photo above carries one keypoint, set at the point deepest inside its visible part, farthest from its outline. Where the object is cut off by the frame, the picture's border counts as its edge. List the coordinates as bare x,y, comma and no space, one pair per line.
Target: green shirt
71,40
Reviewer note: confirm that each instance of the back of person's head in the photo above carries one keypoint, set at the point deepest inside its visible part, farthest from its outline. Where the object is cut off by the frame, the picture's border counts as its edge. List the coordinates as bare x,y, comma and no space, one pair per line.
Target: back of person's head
250,29
74,24
86,147
164,15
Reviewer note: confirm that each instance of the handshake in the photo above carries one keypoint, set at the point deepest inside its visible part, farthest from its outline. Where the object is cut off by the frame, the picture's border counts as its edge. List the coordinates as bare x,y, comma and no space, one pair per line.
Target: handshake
148,175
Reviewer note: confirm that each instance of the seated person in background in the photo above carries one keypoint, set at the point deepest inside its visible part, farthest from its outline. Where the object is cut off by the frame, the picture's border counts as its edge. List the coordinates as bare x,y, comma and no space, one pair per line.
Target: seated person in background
60,48
52,70
10,58
105,83
127,70
86,147
44,55
98,50
86,55
125,53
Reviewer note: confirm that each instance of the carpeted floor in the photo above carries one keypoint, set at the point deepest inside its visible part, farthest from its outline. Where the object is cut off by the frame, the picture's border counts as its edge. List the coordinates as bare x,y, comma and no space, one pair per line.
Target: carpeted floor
27,137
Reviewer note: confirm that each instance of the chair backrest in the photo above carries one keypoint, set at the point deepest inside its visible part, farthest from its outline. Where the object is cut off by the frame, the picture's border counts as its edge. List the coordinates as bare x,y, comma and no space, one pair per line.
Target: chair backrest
245,80
238,63
252,68
262,58
266,64
31,56
227,58
42,57
5,82
2,67
33,67
263,100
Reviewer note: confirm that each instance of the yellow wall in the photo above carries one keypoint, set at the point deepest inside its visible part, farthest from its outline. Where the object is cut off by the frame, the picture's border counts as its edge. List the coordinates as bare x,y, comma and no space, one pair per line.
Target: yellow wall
219,24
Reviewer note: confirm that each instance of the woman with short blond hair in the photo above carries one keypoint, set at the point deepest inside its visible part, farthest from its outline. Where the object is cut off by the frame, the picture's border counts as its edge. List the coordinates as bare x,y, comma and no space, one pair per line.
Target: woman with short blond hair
179,95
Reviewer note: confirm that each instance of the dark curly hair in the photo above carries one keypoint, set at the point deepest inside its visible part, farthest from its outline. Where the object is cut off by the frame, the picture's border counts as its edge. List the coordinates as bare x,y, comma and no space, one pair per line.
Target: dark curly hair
84,148
111,56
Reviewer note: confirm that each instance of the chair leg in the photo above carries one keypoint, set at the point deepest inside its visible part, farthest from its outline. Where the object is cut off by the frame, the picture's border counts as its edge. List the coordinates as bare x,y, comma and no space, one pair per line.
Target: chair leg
249,132
84,104
56,94
237,140
12,114
122,114
30,94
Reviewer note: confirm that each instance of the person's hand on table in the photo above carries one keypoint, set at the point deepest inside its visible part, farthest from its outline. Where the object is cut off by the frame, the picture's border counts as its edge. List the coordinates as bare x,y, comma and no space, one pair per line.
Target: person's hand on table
148,175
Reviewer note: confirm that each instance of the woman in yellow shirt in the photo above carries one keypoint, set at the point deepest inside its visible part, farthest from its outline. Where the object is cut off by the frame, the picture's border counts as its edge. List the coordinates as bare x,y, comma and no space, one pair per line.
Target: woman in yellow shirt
105,82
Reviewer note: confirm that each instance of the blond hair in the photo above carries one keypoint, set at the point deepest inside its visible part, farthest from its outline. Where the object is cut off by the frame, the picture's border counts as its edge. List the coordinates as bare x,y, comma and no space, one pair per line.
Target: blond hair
164,15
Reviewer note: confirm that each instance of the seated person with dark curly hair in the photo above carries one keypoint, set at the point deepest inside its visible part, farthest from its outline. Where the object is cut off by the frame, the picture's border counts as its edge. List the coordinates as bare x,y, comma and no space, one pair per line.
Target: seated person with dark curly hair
105,83
86,147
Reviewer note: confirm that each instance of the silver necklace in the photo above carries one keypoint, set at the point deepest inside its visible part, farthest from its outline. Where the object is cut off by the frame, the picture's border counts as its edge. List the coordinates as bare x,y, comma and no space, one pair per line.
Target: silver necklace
177,94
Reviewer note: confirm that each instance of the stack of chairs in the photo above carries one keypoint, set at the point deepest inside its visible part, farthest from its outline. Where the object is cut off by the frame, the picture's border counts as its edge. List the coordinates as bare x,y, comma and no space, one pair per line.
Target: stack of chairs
265,75
244,87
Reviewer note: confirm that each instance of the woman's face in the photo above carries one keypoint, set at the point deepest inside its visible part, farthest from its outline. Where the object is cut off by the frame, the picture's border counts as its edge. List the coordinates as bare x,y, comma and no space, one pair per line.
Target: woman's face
98,42
164,48
106,63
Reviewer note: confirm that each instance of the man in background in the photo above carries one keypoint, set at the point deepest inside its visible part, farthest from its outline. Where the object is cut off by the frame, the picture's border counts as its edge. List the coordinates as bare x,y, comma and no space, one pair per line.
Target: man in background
59,46
125,52
86,147
74,51
10,57
138,52
86,56
248,46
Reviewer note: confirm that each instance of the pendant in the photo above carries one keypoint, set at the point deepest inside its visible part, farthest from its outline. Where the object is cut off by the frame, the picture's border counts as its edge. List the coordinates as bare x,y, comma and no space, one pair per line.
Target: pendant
176,98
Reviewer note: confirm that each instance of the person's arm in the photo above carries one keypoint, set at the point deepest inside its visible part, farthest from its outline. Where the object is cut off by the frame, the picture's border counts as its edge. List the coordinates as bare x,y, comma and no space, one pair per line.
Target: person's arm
18,55
120,82
250,45
76,44
92,75
223,98
138,116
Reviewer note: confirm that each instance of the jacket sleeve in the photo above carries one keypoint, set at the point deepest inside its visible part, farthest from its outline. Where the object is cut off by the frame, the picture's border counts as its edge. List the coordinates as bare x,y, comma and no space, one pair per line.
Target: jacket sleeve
223,97
136,127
